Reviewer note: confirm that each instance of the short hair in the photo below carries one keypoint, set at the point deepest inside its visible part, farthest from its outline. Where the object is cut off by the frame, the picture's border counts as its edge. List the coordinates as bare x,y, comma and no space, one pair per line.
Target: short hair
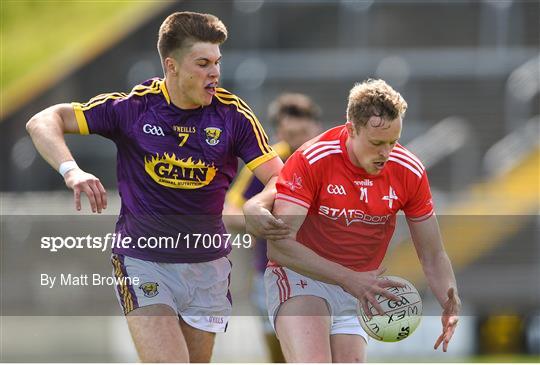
293,105
374,98
182,28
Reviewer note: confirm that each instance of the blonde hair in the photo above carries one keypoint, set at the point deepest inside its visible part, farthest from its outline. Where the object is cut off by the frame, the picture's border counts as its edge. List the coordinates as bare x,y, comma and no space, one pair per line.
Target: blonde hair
374,98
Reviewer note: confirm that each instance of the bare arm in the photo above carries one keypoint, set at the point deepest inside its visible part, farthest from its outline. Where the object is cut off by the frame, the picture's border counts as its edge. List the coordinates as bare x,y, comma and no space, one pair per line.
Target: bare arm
439,273
47,129
297,257
259,221
267,173
233,218
294,255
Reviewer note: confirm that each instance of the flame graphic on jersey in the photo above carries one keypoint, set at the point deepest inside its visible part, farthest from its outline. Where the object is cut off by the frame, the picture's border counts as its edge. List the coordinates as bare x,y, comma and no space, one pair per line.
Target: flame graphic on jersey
172,172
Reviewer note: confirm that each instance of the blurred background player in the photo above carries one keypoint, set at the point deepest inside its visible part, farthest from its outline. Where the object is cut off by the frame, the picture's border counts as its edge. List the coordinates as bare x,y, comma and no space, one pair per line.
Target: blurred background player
296,119
178,140
340,194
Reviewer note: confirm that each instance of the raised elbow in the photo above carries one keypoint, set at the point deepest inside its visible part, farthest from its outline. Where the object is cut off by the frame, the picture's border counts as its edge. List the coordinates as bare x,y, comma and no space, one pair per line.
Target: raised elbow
31,125
50,118
37,121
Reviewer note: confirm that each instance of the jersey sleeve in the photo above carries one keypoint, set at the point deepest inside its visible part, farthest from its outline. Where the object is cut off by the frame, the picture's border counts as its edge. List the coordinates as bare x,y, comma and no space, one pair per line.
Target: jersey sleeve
105,114
296,182
251,142
419,205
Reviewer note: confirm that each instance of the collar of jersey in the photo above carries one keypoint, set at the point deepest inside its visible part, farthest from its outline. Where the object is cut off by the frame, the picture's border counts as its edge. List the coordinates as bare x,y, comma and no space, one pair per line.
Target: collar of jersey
163,88
165,92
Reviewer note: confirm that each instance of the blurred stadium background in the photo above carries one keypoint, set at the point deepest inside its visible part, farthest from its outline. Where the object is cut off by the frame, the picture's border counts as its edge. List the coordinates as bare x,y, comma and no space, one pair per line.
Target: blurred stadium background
469,70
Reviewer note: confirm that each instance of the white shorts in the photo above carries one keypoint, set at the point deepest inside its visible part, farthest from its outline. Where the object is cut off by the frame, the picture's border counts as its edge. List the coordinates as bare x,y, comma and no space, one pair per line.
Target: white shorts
197,292
282,283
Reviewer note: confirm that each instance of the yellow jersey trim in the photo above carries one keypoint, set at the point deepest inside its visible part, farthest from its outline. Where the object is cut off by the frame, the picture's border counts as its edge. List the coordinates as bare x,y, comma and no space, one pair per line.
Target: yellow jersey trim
163,88
226,94
139,90
253,164
262,139
81,119
127,299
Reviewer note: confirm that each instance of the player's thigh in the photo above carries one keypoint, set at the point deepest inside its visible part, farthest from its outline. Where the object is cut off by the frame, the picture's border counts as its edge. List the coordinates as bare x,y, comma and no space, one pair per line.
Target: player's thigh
303,328
348,348
157,334
199,343
258,299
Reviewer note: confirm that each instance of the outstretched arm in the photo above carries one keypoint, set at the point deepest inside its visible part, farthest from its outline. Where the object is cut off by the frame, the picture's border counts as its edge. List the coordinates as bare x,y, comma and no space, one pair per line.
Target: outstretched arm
259,221
439,273
47,129
290,253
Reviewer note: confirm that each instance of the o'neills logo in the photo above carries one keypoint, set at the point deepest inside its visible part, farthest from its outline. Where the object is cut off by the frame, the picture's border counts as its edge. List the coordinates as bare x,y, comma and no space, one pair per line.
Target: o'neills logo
169,171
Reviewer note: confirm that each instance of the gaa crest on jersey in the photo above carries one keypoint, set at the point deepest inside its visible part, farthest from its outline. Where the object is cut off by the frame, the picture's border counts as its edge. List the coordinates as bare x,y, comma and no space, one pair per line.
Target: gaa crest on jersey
295,183
212,135
169,171
150,289
336,189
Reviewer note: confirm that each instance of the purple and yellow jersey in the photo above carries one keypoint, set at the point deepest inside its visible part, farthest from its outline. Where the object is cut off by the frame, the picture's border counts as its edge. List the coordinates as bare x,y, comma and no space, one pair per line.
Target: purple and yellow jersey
174,166
247,185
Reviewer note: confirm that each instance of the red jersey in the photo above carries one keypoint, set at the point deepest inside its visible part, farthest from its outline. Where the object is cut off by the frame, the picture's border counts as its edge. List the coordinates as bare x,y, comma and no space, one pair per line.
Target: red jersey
352,214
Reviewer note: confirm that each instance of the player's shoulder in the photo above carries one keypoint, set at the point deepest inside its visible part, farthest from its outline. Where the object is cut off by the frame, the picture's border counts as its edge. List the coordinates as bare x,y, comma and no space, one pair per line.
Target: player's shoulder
137,96
403,160
325,147
154,84
149,88
225,100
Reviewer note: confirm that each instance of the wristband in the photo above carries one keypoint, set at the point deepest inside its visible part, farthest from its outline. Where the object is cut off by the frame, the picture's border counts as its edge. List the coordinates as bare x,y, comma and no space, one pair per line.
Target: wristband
67,166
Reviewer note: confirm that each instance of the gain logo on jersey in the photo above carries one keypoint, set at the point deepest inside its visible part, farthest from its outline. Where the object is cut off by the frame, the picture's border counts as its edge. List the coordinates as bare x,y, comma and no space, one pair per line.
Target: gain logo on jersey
212,135
169,171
